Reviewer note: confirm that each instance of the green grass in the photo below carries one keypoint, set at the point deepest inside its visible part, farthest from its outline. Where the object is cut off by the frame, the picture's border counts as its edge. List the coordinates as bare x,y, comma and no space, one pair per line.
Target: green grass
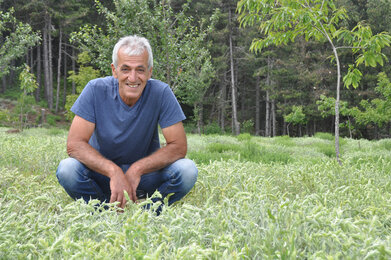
255,198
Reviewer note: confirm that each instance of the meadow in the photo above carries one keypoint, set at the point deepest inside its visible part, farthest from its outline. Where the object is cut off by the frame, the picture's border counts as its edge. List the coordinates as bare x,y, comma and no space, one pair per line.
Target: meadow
255,198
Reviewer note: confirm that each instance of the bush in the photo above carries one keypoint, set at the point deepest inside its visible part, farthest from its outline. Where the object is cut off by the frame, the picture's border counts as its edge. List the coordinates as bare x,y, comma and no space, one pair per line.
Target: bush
52,119
244,137
248,126
5,117
212,128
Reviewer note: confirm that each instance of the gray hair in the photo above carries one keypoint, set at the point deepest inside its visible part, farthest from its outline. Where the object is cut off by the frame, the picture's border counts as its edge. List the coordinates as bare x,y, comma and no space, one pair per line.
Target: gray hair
134,45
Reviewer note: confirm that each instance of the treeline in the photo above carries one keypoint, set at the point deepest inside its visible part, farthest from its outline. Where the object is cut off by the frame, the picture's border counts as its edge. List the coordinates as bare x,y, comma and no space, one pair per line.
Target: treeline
203,53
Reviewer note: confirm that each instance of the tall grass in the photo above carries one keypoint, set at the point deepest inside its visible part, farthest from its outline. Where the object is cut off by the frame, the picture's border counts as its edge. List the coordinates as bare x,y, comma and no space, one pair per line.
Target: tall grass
261,206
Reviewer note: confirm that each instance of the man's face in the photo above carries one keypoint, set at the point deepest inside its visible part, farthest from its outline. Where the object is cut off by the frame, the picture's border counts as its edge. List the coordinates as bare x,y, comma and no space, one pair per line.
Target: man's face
132,73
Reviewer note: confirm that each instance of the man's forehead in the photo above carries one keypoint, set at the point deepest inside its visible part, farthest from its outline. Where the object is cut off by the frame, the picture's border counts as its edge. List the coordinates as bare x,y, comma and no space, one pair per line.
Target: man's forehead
128,66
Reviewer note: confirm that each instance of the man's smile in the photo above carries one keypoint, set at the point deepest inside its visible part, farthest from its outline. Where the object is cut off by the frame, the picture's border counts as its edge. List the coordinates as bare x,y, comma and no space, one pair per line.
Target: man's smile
132,85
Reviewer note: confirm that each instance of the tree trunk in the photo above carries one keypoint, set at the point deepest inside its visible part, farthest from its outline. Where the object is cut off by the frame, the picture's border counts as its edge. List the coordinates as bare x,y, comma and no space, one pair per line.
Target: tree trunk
74,70
222,105
267,115
257,107
4,83
64,92
200,122
59,70
50,51
46,62
38,90
235,123
274,121
337,105
11,78
32,60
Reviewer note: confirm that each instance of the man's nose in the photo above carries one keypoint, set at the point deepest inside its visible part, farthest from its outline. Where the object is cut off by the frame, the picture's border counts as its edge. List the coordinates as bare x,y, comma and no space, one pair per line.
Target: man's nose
132,77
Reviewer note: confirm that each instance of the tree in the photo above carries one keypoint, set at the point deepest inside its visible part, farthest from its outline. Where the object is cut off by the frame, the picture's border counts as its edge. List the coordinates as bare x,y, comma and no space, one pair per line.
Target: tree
180,58
15,39
28,84
281,21
86,73
378,110
296,117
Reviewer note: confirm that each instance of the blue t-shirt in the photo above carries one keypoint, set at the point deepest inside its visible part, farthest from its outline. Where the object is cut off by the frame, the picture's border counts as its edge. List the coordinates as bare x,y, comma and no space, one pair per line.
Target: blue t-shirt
126,134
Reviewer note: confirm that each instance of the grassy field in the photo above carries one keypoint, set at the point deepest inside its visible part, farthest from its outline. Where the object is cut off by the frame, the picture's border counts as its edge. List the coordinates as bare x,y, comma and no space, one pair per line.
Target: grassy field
256,198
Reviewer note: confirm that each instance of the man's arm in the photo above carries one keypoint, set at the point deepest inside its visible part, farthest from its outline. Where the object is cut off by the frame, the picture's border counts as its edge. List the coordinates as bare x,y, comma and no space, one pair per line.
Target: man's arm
176,148
79,148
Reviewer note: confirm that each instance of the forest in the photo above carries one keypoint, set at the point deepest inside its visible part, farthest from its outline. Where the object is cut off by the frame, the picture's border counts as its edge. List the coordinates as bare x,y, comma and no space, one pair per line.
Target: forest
234,67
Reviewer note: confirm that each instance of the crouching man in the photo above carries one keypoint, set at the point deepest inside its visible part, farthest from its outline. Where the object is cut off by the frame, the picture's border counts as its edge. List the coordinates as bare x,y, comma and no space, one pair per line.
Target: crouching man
113,141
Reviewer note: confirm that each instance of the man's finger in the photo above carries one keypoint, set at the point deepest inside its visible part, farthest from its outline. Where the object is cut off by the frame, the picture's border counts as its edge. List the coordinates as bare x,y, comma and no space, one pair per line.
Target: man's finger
123,202
134,196
113,197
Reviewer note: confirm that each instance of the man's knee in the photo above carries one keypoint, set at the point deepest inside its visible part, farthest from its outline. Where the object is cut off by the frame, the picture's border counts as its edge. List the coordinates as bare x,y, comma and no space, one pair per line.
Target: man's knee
188,171
67,171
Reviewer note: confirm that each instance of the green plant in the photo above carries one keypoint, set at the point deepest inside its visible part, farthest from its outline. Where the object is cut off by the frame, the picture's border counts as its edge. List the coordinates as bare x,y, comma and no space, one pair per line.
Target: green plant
52,119
304,206
248,126
324,136
27,84
5,117
244,137
212,128
85,74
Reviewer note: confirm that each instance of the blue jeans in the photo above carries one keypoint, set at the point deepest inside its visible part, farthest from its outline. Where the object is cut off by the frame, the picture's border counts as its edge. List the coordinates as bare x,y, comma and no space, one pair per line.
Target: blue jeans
81,182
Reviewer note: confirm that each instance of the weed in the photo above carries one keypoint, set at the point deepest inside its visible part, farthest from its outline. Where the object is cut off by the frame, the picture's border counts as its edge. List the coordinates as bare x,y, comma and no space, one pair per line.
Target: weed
263,198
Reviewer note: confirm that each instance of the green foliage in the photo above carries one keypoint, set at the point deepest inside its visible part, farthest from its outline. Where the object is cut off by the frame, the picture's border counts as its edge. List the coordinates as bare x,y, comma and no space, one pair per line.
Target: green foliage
181,58
85,74
212,128
5,117
307,208
378,110
244,137
324,136
52,119
27,80
248,126
17,38
246,150
27,84
297,116
281,22
284,141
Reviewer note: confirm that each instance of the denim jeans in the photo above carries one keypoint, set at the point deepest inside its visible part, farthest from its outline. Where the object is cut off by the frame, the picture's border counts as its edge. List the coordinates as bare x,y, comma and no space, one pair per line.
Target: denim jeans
81,182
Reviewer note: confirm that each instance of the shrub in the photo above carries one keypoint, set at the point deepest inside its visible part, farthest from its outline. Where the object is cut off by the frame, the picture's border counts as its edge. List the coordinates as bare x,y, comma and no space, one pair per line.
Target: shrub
5,117
212,128
248,126
52,119
244,137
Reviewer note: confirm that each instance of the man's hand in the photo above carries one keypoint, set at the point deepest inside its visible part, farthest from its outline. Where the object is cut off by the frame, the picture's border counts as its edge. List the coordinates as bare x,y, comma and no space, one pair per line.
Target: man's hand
133,178
119,184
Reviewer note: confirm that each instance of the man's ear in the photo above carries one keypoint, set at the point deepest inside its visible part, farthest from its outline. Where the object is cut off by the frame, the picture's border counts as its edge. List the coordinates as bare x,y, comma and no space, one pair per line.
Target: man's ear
114,71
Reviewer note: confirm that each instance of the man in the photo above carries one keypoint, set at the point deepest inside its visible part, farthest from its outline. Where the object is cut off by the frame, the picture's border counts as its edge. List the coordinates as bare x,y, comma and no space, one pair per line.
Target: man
113,141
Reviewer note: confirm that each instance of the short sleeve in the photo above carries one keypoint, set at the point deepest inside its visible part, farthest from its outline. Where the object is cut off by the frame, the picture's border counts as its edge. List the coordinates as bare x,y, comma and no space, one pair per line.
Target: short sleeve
171,112
85,105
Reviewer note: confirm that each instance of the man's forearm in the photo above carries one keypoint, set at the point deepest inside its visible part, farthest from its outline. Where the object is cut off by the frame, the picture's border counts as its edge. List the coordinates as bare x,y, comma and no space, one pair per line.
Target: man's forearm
159,159
90,157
